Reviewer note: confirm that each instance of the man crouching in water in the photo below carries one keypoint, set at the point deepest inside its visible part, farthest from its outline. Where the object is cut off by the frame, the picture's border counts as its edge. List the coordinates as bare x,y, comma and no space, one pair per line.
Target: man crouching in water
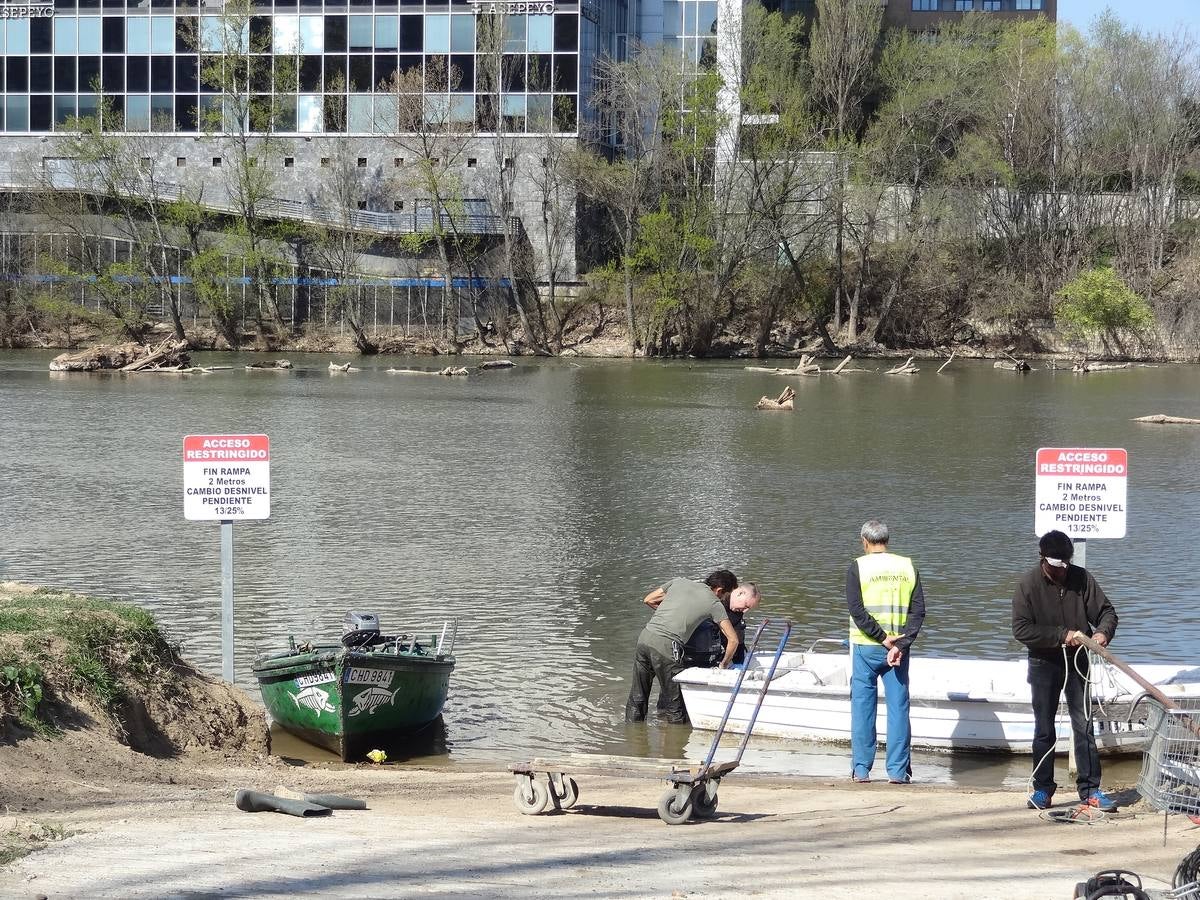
679,607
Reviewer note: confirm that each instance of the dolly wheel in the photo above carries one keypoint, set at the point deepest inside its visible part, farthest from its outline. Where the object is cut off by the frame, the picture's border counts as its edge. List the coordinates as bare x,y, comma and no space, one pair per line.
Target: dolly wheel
704,800
530,795
563,790
675,807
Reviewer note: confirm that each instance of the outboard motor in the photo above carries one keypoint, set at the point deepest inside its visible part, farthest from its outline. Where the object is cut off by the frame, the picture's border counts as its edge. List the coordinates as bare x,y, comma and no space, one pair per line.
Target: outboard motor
359,629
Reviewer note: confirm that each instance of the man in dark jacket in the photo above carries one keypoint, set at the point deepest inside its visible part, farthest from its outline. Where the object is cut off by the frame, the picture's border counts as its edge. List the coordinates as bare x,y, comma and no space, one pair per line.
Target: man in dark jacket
1054,605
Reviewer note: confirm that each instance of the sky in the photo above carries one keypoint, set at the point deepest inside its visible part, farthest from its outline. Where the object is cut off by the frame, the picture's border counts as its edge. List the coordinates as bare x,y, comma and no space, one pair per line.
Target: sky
1149,15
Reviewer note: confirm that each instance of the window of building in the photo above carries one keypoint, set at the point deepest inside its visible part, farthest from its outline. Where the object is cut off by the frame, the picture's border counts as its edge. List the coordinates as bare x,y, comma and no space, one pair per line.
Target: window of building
472,162
387,37
361,37
64,35
991,5
924,5
964,5
540,34
462,33
289,162
437,33
309,114
137,34
312,34
162,34
285,37
17,32
16,112
180,161
362,162
216,162
89,34
1029,4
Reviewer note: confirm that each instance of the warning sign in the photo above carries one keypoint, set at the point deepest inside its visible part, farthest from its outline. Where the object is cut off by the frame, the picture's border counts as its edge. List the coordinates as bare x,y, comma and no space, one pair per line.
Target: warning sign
226,476
1081,491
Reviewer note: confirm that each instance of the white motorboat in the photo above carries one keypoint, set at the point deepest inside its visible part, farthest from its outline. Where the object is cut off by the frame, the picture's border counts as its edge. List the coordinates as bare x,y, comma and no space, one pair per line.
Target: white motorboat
956,704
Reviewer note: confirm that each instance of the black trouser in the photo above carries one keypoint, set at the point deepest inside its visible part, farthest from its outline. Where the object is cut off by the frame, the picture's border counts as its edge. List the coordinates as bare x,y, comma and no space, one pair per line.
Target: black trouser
1046,678
650,663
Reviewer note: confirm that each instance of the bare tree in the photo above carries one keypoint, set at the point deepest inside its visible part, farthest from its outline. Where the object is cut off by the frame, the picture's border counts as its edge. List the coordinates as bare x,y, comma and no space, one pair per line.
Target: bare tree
238,62
841,52
339,239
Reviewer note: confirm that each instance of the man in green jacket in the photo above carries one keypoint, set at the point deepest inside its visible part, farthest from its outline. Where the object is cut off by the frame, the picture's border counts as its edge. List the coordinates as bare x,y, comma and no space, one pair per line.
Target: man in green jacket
679,607
1054,604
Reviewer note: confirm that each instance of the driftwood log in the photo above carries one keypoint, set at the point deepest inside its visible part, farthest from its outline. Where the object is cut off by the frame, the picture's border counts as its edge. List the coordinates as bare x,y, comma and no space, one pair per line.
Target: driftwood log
771,371
845,362
278,365
905,368
947,362
449,371
130,357
783,401
335,368
1084,366
182,370
1018,366
1160,419
496,364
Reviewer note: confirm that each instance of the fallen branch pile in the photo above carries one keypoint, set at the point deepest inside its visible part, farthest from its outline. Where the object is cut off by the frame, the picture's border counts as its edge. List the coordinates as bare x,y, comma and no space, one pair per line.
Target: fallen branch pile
130,357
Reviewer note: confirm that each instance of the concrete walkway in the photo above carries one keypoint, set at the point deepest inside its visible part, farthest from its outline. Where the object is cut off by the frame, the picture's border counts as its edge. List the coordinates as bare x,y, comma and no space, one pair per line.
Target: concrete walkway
455,834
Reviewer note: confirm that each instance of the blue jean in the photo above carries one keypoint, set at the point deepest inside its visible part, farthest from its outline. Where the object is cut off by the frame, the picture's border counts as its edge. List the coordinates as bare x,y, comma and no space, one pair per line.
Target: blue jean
869,665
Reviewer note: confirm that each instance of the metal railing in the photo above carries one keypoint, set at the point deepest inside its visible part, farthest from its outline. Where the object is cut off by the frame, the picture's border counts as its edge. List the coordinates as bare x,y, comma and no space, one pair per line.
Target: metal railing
419,221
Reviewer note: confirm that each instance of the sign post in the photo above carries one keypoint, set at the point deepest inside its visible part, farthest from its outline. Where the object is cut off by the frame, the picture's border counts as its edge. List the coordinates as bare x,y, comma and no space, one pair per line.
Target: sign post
226,478
1081,491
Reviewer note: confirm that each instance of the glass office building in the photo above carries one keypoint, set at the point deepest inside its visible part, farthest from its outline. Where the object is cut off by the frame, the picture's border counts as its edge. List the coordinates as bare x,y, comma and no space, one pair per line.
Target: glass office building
145,57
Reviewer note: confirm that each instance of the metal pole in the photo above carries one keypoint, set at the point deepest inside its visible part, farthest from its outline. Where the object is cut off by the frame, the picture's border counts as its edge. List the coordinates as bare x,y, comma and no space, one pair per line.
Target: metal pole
1078,558
227,600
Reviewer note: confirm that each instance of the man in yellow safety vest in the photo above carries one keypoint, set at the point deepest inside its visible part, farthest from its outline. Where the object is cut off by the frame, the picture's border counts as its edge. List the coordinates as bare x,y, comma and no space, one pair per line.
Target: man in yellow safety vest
887,608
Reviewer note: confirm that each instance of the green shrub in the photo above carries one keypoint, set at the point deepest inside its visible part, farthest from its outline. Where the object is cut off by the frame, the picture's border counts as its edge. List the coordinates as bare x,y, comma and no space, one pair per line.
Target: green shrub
1097,303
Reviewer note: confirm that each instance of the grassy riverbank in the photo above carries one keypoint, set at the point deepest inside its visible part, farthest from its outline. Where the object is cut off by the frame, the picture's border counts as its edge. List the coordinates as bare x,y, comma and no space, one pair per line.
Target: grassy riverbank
74,663
58,649
94,689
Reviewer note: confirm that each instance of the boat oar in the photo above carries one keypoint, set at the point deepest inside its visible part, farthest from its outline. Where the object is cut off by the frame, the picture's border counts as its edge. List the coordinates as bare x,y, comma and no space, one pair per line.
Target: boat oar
254,801
1152,690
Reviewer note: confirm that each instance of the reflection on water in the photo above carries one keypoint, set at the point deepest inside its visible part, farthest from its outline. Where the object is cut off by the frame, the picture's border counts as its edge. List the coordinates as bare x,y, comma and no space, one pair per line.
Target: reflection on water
539,505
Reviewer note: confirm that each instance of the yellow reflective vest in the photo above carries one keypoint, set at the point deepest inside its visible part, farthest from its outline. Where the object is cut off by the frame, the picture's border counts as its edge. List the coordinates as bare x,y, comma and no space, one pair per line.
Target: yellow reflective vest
887,581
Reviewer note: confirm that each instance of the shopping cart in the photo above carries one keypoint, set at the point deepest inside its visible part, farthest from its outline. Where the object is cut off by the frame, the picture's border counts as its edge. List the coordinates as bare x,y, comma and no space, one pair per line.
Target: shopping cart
1170,776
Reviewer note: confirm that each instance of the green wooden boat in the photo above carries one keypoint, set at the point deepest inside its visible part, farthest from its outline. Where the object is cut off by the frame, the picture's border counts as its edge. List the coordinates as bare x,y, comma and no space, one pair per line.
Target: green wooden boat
370,691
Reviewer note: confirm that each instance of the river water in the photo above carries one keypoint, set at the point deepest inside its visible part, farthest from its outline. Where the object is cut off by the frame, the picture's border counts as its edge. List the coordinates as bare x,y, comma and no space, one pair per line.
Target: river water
538,505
